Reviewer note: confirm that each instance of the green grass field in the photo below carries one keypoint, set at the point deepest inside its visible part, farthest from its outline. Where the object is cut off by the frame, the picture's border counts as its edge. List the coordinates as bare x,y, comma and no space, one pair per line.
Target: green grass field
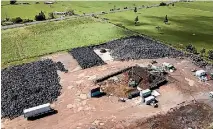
185,19
188,23
80,7
32,41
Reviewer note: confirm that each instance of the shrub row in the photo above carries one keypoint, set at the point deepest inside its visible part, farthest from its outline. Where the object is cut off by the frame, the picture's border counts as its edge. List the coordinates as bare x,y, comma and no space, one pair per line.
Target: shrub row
16,20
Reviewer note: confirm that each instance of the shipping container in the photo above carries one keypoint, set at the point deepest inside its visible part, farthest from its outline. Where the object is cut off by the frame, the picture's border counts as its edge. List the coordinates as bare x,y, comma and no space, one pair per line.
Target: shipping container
38,110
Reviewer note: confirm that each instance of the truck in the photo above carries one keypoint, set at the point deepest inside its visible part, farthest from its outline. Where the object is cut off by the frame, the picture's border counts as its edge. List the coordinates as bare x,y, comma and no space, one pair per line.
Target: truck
145,93
168,66
37,111
96,92
133,94
151,101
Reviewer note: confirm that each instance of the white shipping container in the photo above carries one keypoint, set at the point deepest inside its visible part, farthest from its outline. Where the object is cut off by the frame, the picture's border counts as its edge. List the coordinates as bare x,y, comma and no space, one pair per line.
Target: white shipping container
34,111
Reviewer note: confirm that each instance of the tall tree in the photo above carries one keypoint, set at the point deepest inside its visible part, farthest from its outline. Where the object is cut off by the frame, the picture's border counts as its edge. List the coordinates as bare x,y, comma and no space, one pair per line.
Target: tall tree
135,10
210,53
12,1
40,17
202,51
136,20
51,15
166,20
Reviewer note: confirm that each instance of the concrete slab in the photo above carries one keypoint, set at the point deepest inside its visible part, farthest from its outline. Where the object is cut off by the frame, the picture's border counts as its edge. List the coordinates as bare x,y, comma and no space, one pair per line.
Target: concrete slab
104,56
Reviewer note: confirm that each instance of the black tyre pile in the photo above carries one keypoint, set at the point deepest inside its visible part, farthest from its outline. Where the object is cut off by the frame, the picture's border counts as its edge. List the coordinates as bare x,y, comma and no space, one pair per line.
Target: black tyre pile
156,80
29,85
86,57
197,60
145,79
139,47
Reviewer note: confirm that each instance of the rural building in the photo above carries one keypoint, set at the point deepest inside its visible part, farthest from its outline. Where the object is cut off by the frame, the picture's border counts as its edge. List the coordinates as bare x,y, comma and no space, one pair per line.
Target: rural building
48,2
60,13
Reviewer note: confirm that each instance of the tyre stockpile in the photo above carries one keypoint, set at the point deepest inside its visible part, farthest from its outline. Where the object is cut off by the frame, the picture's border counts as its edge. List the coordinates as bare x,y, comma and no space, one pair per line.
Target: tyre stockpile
145,79
139,47
29,85
86,57
197,60
194,115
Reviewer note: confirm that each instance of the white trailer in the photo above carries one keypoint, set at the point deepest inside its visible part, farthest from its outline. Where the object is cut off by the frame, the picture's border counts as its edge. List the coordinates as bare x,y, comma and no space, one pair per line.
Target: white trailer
38,110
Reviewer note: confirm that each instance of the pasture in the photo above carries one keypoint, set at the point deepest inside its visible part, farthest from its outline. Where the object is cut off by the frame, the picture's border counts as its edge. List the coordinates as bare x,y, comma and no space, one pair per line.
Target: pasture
36,40
80,7
189,22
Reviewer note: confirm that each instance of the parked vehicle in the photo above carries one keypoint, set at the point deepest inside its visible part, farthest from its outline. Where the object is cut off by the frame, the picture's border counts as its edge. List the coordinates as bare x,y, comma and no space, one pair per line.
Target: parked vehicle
145,93
211,94
151,101
121,100
169,67
37,111
133,94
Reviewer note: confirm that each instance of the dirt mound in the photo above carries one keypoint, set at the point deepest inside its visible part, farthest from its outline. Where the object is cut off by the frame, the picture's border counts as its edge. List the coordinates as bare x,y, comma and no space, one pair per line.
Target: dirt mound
118,85
191,116
194,115
145,79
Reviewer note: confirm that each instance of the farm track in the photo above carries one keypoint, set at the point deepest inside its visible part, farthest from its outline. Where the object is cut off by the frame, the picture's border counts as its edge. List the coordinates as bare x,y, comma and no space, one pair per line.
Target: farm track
77,15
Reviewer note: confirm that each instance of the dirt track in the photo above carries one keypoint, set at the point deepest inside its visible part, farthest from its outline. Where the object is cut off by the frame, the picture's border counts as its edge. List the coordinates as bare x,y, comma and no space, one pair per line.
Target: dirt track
76,110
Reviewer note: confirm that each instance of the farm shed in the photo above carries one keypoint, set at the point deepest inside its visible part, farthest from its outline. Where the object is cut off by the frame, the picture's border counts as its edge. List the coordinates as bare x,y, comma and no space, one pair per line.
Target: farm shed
48,2
60,13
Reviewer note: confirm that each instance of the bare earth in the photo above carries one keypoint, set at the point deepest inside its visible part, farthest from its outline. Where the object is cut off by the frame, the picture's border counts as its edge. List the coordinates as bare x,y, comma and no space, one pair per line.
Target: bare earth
77,111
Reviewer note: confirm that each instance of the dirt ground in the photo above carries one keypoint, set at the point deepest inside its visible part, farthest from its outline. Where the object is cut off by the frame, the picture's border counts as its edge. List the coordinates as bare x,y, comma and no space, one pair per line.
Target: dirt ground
77,111
187,115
